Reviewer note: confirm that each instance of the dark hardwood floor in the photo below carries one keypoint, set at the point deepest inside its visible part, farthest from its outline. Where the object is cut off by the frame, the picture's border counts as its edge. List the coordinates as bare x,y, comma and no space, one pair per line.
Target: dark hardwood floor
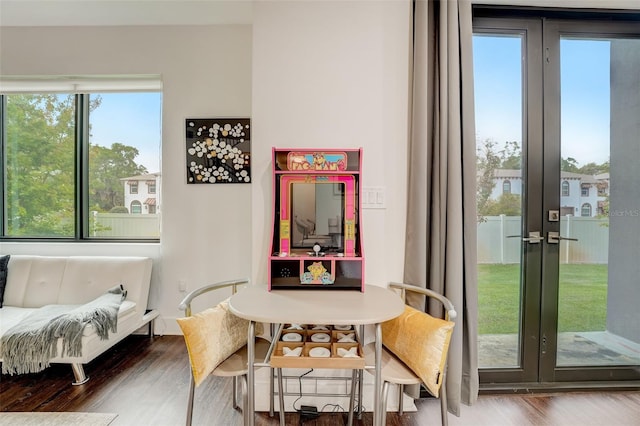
145,381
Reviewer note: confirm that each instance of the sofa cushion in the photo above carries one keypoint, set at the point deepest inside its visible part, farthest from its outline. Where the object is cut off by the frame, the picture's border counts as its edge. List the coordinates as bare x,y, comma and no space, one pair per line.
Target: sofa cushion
4,264
126,307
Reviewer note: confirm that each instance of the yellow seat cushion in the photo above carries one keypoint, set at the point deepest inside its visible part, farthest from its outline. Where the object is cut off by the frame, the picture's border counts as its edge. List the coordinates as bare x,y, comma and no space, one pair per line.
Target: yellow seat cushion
212,336
421,342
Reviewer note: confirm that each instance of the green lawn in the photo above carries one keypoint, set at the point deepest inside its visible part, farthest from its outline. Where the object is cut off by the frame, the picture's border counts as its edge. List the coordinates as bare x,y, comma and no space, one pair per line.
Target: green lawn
583,298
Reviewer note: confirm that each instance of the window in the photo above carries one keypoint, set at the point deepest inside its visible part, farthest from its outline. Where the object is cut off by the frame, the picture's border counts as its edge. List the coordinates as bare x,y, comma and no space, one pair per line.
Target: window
584,191
585,211
151,187
602,189
136,207
506,187
65,155
565,188
133,187
150,206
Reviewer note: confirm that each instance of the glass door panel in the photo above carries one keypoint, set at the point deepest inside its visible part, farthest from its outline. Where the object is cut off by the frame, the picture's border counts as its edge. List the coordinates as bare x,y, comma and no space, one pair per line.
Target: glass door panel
498,74
598,291
557,118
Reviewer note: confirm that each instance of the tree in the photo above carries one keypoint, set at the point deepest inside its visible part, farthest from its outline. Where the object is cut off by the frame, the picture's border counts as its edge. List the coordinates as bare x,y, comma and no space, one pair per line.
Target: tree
40,157
106,167
488,161
569,164
594,168
119,209
40,163
511,156
506,204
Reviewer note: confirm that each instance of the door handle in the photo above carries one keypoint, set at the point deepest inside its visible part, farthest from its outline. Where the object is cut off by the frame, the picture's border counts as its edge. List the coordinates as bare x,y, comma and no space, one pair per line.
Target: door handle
533,238
555,237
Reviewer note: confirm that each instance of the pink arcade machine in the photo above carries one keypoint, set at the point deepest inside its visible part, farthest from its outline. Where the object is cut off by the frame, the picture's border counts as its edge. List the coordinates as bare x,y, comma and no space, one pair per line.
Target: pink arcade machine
316,241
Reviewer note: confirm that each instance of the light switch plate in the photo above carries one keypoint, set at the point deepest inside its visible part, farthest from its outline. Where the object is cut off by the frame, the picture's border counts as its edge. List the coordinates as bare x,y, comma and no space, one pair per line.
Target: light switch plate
373,197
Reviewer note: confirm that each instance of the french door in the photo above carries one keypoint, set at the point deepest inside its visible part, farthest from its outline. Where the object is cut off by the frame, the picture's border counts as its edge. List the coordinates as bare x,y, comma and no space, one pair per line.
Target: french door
557,121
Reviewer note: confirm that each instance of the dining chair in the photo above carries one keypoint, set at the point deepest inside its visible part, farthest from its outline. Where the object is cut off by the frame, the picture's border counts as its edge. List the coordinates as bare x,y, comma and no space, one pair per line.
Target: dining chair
216,342
415,349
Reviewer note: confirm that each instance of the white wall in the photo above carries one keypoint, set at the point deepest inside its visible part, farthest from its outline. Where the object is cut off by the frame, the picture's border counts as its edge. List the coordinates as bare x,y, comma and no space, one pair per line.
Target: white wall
309,74
334,74
206,72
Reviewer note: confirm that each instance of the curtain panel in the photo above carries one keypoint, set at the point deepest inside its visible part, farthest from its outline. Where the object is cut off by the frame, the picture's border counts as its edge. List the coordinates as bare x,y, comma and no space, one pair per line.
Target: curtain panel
441,215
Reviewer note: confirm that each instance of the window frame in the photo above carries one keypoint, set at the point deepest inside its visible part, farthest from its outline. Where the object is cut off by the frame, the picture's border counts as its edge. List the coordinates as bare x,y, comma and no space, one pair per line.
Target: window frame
506,186
133,184
82,212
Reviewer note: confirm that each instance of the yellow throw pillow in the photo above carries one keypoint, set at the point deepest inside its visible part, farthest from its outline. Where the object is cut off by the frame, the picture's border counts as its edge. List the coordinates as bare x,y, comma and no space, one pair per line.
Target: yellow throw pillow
421,342
212,336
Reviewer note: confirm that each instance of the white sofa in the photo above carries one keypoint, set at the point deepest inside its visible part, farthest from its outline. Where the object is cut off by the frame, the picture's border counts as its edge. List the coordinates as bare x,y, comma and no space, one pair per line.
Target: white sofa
35,281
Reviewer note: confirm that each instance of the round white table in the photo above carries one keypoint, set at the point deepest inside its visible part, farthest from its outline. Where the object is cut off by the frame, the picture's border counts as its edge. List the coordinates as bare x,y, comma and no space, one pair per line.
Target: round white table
320,306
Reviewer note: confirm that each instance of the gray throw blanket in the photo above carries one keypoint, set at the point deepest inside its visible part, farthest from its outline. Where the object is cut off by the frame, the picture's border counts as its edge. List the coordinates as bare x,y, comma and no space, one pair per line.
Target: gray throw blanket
28,346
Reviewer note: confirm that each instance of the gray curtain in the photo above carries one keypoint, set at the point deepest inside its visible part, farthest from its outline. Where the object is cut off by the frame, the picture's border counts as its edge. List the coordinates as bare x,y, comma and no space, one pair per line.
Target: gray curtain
441,218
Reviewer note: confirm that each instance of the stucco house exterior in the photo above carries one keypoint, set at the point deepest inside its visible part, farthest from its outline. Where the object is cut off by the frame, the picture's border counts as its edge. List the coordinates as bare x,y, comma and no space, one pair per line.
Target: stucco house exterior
142,193
580,195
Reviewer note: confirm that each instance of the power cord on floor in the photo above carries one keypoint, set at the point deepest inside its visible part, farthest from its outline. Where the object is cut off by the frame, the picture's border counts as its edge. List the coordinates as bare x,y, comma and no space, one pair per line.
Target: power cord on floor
306,412
309,412
337,408
300,389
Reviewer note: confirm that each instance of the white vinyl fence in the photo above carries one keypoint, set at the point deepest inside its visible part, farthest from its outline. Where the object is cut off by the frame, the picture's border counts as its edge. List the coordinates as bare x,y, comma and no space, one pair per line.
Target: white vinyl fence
125,225
500,241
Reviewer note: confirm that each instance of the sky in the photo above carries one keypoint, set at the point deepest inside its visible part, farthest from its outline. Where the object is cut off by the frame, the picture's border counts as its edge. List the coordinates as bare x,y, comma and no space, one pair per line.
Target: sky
584,94
135,119
132,119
